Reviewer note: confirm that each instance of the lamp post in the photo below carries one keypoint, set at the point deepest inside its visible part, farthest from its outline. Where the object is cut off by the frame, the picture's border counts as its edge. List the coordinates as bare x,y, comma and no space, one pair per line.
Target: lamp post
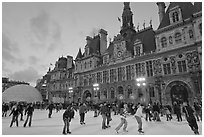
96,89
141,82
70,92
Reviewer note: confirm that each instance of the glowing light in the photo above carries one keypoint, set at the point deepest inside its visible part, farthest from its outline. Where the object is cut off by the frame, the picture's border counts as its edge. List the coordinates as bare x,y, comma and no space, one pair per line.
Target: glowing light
144,84
138,84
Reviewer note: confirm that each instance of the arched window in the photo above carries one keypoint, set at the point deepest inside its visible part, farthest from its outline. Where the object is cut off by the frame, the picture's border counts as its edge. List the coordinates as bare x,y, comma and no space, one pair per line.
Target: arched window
170,40
178,37
175,16
105,93
163,42
129,91
190,34
200,28
112,93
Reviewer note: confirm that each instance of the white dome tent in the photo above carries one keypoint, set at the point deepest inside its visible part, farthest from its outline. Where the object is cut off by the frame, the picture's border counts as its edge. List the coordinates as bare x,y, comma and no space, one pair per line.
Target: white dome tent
19,93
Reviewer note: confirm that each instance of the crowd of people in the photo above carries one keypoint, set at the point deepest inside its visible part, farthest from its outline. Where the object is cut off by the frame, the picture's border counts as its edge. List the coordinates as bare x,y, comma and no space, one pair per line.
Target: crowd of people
150,112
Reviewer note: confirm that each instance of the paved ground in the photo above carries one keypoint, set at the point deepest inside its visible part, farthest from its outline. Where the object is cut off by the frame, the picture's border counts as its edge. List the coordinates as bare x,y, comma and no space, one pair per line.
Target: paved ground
42,125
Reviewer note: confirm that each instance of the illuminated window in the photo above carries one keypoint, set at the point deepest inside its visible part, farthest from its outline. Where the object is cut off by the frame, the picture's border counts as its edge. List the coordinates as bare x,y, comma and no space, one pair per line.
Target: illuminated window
163,42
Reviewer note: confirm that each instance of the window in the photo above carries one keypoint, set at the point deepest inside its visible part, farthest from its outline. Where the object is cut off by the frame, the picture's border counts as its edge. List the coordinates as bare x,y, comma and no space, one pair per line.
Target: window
149,68
138,69
112,75
163,42
105,76
98,77
137,50
190,34
182,66
128,72
170,40
90,63
175,16
200,28
167,68
129,91
151,92
120,74
105,93
178,37
112,93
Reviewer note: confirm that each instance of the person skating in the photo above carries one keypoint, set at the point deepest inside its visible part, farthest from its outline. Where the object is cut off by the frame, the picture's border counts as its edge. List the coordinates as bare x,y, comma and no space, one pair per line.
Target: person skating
15,111
190,117
82,111
138,115
67,116
29,110
198,111
123,122
177,110
103,111
50,108
20,107
108,115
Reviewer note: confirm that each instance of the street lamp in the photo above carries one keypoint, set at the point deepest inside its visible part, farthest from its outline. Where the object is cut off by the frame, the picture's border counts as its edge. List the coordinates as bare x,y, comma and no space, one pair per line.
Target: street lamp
70,91
96,89
141,82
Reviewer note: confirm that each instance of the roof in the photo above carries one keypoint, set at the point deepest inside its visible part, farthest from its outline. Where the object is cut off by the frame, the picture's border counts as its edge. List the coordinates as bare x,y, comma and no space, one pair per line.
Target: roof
79,55
197,6
146,37
94,46
21,93
187,10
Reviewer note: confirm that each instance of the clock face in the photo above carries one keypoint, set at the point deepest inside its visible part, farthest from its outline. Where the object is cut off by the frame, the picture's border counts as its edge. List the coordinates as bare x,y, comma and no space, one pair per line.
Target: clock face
119,53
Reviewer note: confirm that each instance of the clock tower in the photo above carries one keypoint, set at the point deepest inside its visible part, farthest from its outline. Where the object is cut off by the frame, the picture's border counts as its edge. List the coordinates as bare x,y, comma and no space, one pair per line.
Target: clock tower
127,28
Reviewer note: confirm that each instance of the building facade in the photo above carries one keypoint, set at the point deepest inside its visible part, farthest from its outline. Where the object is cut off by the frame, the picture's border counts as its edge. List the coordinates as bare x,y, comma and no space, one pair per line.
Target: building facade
138,65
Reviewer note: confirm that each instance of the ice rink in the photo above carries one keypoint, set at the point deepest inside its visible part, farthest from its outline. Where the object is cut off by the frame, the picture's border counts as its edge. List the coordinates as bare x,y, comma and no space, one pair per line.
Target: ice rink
42,125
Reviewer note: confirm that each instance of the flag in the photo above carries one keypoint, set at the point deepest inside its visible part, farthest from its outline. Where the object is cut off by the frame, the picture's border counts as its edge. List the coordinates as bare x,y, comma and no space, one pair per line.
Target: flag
119,19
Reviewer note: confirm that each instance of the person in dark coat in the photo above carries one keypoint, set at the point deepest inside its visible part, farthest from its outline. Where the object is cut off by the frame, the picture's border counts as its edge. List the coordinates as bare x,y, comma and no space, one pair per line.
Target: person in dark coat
108,115
198,111
29,110
67,116
156,111
50,108
177,111
190,117
20,107
82,111
5,108
103,111
15,111
148,112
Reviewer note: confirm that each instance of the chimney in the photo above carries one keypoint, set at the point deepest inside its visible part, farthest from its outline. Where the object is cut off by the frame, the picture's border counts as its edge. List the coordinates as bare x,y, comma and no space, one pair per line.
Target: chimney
161,6
69,62
103,40
88,40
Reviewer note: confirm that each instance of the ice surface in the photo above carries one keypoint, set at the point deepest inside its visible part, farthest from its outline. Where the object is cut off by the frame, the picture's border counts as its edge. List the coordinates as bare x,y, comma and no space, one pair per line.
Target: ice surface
42,125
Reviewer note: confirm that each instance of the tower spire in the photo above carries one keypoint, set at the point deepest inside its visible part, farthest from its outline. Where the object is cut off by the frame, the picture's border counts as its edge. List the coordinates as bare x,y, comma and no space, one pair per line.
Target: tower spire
127,21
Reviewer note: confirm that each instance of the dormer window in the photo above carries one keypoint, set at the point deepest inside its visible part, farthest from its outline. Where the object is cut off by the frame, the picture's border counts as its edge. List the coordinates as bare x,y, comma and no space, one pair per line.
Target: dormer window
190,34
178,37
137,48
175,16
163,42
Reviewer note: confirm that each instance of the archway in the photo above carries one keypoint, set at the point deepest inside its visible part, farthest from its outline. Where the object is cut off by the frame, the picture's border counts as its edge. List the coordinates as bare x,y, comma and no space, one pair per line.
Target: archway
178,91
87,94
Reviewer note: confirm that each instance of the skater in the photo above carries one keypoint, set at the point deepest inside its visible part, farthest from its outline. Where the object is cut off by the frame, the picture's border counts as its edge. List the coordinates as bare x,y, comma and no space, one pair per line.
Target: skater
15,111
50,108
82,111
123,115
5,108
29,111
190,117
156,111
168,114
198,111
177,110
67,116
20,107
148,113
108,115
138,115
103,111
